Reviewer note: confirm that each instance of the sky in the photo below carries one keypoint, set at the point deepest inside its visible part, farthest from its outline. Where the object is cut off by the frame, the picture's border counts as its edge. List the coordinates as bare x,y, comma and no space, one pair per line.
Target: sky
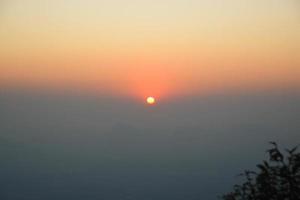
159,48
74,75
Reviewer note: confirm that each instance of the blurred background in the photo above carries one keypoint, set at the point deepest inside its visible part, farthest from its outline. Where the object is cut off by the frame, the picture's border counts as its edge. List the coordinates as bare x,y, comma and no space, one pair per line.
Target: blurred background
74,76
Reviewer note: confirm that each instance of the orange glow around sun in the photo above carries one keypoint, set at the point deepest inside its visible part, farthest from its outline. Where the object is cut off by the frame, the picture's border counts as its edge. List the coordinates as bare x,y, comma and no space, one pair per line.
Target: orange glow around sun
145,48
151,100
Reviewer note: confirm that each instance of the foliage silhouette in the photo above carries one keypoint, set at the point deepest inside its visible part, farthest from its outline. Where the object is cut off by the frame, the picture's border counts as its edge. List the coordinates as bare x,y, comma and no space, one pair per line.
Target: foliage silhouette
277,179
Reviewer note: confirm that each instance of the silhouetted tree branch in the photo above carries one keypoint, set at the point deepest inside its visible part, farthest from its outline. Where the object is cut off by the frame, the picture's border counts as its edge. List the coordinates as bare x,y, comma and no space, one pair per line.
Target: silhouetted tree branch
276,179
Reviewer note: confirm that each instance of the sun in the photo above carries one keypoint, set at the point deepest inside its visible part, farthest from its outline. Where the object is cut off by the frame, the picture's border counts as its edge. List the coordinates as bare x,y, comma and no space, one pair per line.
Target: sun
150,100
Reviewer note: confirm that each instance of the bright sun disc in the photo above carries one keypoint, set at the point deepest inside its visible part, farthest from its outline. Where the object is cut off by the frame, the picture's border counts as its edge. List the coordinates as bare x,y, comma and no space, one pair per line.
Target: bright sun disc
150,100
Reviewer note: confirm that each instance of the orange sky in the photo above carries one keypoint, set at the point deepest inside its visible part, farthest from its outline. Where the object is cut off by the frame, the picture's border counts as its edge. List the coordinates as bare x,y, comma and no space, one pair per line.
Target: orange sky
155,48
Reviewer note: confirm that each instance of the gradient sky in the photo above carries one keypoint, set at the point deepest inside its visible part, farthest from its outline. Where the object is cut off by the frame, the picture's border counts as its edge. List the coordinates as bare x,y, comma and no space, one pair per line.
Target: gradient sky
229,70
150,47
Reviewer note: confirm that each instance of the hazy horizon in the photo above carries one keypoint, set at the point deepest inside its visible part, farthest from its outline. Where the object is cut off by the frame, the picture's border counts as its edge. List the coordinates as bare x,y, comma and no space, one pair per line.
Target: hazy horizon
75,76
60,146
